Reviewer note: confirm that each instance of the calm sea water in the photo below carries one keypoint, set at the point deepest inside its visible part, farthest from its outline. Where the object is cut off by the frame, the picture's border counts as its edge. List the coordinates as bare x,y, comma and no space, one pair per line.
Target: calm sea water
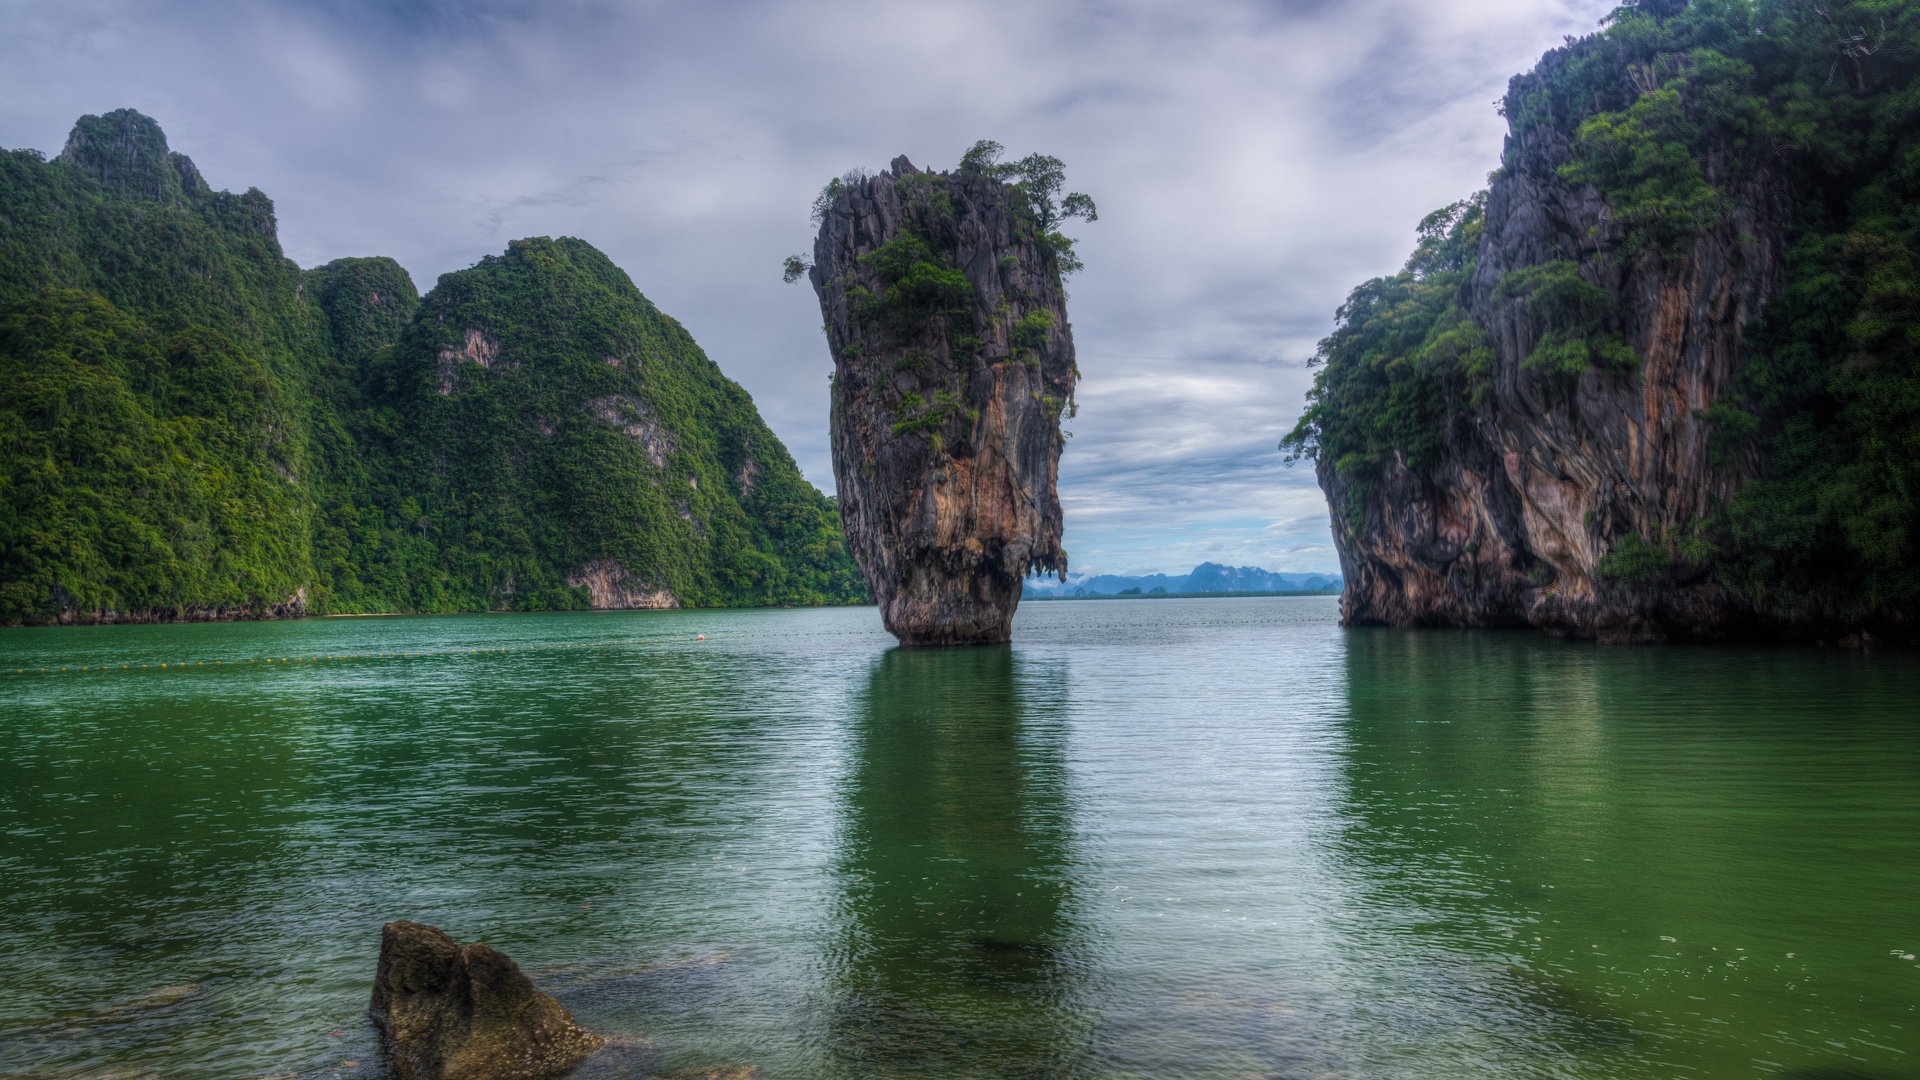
1194,839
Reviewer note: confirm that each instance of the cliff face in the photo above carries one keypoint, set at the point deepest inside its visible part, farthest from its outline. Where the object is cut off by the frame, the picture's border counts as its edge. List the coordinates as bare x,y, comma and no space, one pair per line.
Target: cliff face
953,361
1662,379
1551,470
127,151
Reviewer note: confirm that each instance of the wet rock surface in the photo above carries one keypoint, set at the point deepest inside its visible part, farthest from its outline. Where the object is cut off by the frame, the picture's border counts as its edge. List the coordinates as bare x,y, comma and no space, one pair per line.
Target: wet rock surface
466,1012
953,363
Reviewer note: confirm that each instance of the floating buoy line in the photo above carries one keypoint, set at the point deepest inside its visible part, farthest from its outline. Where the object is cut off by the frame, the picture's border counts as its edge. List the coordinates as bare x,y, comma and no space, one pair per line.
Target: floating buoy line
327,658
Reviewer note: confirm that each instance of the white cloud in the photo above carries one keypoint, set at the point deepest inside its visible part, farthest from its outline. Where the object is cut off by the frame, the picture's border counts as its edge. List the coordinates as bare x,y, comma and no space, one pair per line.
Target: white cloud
1252,160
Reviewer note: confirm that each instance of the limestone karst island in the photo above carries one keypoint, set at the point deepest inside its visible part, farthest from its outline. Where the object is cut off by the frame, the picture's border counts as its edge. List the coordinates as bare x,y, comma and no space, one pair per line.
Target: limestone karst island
815,542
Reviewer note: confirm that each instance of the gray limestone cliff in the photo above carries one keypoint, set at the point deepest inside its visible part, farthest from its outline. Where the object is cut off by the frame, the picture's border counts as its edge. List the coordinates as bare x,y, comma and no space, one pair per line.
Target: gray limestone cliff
1550,472
126,150
953,363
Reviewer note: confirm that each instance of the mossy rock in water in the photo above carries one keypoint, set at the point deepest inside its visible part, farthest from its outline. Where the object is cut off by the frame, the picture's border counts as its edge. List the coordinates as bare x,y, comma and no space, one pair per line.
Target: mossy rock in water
453,1012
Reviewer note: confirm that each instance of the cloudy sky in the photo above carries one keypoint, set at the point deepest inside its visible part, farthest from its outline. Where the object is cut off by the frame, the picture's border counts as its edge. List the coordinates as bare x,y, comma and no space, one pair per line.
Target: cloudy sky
1253,160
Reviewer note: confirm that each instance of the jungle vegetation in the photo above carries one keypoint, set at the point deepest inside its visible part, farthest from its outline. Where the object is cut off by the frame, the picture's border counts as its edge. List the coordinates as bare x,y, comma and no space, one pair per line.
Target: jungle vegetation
1671,109
922,303
190,423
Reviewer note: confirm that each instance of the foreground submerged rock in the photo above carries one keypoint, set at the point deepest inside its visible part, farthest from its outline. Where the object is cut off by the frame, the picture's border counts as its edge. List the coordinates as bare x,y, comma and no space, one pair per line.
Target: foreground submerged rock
953,362
454,1012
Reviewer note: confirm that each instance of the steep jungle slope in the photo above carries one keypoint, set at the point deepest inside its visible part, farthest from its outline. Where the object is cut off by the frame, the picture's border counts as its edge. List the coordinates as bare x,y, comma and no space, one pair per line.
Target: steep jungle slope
158,407
193,427
548,433
1658,380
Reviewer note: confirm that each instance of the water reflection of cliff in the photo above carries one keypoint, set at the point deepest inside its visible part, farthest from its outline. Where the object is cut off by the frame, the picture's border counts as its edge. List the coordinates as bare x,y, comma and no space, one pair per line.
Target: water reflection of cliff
1601,863
957,947
1457,746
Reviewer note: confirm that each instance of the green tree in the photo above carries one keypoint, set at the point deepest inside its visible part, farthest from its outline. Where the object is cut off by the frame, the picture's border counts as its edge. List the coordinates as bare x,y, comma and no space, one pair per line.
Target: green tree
1038,178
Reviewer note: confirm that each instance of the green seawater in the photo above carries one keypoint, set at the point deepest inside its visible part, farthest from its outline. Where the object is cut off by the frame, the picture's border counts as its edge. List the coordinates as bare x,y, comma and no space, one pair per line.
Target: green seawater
1173,838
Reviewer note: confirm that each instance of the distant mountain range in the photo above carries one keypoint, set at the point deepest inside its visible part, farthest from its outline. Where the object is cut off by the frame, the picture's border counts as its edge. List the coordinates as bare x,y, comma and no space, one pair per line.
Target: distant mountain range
1205,578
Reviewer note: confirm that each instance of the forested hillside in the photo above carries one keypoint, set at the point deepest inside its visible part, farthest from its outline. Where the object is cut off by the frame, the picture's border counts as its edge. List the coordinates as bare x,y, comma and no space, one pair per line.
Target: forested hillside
1662,377
192,427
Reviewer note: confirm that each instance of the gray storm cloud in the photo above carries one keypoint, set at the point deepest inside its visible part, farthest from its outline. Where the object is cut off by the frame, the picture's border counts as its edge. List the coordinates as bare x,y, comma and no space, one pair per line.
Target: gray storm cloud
1252,162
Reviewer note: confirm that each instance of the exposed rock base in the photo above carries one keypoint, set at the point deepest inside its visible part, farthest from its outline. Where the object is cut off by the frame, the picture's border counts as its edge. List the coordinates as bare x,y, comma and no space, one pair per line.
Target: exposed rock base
295,607
953,362
612,588
453,1012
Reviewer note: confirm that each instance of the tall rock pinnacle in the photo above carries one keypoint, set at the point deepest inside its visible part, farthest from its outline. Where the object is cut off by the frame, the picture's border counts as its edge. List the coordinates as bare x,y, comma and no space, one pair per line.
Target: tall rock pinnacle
953,363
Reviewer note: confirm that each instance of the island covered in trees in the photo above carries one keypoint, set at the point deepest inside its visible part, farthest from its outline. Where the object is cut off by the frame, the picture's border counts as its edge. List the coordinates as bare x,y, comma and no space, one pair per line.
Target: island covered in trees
1660,379
195,427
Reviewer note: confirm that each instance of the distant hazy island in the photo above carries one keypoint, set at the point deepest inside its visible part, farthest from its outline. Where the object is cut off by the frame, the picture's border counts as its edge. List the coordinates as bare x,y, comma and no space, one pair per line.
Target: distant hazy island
1207,579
